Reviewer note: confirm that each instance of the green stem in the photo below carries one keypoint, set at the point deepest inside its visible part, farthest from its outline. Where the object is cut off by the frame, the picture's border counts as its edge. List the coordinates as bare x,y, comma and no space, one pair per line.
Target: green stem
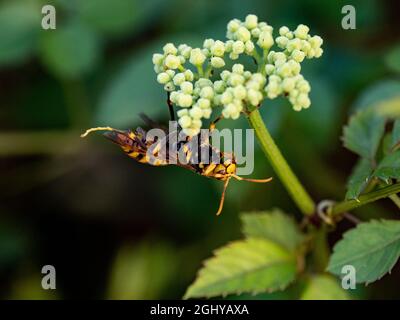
348,205
279,164
396,200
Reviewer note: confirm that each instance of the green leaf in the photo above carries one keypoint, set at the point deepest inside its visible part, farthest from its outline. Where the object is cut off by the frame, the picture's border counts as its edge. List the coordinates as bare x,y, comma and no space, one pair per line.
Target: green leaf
389,167
70,51
273,225
392,59
396,134
359,179
363,134
250,265
19,28
372,248
323,287
376,93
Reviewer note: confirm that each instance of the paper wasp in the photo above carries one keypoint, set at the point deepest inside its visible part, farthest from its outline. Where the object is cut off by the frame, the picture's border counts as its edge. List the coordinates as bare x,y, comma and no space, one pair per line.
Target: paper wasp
139,145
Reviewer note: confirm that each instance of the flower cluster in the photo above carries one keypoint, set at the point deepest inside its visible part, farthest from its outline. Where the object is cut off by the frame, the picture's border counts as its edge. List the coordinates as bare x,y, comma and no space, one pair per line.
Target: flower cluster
197,82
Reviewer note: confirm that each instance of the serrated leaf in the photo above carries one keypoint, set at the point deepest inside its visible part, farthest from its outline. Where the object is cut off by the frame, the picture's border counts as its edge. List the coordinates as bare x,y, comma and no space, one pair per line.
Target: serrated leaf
376,93
273,225
250,265
359,178
372,248
323,287
389,167
363,134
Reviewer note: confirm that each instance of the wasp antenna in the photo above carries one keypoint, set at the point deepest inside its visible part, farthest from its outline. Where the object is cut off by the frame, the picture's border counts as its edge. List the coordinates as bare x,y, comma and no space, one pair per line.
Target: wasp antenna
251,180
221,202
97,129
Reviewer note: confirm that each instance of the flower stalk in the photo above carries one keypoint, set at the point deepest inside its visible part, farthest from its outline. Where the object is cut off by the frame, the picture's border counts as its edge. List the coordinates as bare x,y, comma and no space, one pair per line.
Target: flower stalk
281,167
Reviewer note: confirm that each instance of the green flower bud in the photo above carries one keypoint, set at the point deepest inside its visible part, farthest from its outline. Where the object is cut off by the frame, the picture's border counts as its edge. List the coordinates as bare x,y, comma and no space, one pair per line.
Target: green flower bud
217,62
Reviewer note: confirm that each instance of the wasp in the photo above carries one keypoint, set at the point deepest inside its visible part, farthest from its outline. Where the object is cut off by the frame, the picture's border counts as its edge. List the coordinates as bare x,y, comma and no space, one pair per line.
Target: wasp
142,147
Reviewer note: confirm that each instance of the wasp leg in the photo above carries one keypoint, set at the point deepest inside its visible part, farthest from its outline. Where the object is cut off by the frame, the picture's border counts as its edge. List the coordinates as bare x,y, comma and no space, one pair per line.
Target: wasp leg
251,180
98,129
221,202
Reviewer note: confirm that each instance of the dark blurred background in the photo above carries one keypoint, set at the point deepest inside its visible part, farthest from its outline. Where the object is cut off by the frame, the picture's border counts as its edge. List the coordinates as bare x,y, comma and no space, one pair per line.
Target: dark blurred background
114,228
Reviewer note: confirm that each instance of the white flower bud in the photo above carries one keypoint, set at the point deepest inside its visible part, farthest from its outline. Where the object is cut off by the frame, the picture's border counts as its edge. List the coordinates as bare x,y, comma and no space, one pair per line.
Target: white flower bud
218,48
269,69
236,79
219,86
318,52
203,103
228,45
265,40
238,47
169,86
185,100
172,62
226,98
179,78
283,31
282,42
303,100
251,21
207,113
298,55
225,75
217,62
316,41
185,121
169,48
187,87
243,34
233,25
207,93
163,78
233,56
238,68
157,59
208,43
249,47
301,31
288,84
197,57
182,112
196,113
189,76
240,92
256,32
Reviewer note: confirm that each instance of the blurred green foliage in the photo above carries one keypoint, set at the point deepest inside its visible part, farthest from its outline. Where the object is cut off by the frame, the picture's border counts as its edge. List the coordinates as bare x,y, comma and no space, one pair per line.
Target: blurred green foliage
114,228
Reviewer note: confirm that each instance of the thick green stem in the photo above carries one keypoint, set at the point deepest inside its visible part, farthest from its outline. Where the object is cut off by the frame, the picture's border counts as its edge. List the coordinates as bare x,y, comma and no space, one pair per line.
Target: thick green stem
279,164
348,205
